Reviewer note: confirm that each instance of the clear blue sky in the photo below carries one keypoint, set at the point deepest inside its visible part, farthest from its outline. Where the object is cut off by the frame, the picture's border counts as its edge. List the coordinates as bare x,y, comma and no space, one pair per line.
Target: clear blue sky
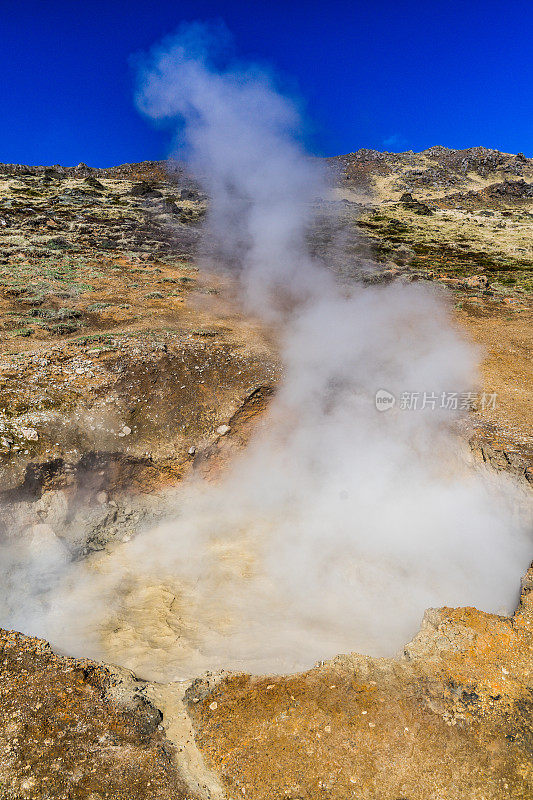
387,75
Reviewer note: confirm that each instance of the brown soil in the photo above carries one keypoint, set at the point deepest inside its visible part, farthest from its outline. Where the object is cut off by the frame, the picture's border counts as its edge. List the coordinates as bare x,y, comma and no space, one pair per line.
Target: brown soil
452,719
506,338
63,733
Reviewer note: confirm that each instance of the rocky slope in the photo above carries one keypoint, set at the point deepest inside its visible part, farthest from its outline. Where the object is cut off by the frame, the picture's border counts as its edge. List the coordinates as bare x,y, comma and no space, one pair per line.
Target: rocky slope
463,219
431,173
123,367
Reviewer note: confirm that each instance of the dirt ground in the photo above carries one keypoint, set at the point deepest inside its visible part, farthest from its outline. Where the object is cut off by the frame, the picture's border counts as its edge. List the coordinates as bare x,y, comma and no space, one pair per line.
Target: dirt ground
505,336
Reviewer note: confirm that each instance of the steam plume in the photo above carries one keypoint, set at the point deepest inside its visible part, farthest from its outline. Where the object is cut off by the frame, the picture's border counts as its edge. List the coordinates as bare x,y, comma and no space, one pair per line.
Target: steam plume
241,142
339,524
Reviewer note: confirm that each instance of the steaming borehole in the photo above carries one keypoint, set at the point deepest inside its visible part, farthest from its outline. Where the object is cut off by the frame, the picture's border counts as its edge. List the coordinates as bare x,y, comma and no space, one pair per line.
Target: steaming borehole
274,568
332,531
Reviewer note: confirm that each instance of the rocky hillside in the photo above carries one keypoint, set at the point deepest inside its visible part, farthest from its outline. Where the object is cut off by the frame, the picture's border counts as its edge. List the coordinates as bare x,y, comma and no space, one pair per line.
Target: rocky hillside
123,367
432,172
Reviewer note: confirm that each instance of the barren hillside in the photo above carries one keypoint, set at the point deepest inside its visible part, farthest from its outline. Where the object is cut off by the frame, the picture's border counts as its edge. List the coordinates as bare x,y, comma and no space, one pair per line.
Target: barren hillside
124,367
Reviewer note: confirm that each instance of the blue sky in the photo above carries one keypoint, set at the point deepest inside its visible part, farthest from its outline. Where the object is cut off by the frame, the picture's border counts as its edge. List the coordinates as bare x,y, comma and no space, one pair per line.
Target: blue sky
385,75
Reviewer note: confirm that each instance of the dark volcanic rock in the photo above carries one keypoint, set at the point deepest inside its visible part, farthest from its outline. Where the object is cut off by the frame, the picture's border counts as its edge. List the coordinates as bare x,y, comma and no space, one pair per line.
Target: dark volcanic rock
408,201
189,194
94,183
145,189
506,192
513,189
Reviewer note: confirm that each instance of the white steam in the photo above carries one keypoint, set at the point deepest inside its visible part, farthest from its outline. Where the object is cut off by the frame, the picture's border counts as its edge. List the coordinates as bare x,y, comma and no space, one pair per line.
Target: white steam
240,139
340,524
